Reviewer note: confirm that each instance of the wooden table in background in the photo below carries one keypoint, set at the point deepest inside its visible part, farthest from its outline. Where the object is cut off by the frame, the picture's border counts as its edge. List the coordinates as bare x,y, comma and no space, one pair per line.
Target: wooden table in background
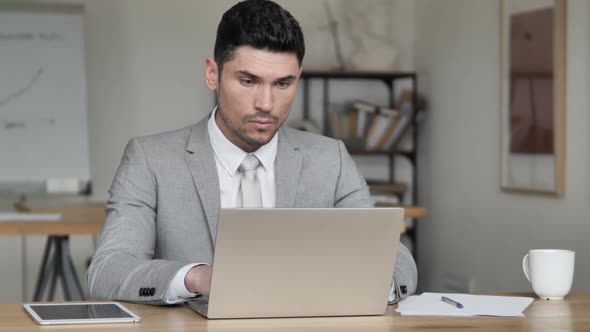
68,225
78,218
413,211
542,315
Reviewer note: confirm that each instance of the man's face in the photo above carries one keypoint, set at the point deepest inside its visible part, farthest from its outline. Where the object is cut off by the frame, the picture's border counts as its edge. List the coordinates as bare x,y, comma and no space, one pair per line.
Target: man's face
254,94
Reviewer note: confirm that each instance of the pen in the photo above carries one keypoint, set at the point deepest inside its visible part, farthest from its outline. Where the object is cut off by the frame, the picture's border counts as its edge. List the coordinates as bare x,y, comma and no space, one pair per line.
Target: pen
452,302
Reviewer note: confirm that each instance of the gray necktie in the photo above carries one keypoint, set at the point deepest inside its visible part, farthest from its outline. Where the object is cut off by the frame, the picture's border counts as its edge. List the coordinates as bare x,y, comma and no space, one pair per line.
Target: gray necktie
249,184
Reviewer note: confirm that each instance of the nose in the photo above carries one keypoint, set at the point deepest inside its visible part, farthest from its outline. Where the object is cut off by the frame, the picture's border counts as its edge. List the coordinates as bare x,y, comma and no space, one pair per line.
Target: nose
264,98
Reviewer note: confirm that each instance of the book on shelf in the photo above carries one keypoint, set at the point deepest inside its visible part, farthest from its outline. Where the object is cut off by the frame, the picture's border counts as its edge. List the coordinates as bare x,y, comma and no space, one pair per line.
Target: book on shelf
365,113
386,138
365,126
338,116
409,114
334,118
352,119
383,122
343,122
405,120
406,96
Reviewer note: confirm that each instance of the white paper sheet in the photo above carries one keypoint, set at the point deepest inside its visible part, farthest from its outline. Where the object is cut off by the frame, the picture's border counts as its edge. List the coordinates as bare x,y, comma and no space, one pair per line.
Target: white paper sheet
13,216
474,305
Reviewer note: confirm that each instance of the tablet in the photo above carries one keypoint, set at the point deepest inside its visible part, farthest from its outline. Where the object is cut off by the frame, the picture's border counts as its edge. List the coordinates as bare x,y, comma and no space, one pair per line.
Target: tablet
80,313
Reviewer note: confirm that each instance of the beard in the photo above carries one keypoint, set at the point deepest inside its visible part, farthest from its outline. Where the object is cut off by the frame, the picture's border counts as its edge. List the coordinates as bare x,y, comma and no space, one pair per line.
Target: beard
240,130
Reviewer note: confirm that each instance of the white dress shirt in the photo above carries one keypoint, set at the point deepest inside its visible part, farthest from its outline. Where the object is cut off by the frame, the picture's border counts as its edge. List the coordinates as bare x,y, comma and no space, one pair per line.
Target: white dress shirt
228,158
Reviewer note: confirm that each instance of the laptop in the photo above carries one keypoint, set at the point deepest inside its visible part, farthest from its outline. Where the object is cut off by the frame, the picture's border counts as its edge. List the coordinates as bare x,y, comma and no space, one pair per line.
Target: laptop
302,262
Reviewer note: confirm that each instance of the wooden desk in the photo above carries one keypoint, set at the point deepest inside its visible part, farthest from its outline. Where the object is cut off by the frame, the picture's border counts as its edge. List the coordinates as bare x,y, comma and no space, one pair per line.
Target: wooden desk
568,315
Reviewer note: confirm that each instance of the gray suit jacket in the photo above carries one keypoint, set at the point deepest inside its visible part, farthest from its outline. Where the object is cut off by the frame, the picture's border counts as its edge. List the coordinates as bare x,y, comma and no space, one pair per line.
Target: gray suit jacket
165,200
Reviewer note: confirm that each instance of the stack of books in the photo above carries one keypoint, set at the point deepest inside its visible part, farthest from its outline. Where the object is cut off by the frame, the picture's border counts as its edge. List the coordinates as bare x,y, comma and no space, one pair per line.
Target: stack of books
366,126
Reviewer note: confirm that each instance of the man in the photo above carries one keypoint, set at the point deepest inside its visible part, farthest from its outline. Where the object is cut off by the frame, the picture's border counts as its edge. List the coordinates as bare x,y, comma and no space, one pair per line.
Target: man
165,198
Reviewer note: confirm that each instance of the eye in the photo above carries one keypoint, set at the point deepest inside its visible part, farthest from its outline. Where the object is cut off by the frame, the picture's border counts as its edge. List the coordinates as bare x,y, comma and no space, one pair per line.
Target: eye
283,85
247,81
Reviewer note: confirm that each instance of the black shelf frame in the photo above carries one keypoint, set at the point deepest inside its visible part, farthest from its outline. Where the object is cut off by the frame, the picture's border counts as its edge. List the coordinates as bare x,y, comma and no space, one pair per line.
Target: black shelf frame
389,79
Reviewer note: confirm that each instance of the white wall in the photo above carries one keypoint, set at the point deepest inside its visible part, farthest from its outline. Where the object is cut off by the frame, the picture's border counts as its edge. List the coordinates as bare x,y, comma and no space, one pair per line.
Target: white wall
145,69
474,230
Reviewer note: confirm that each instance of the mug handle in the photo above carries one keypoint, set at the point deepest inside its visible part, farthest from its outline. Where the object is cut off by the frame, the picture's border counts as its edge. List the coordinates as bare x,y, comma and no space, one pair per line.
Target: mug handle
525,266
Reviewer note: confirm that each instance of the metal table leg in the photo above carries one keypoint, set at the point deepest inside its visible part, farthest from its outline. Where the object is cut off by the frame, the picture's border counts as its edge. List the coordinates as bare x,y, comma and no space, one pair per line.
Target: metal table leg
45,272
58,264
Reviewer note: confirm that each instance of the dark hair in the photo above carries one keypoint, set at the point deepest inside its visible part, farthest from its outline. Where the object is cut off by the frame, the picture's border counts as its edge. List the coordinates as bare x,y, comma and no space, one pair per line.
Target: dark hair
261,24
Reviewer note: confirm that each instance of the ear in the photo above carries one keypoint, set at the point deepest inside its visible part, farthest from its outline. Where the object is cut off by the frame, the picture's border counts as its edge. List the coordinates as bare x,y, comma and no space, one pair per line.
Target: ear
211,74
300,71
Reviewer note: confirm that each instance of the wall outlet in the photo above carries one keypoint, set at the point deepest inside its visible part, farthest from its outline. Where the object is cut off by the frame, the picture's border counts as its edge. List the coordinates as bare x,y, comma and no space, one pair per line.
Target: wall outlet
457,283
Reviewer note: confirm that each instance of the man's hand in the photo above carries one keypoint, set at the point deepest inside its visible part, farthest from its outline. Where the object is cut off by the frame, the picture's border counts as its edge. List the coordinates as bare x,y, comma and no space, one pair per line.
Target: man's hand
198,279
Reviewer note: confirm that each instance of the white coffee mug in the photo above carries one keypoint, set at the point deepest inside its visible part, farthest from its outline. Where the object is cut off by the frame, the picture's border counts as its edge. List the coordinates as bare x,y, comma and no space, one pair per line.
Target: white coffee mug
550,272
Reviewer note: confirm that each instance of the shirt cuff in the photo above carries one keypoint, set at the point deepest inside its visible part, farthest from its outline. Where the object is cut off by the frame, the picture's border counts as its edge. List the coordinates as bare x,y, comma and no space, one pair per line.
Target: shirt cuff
176,291
392,293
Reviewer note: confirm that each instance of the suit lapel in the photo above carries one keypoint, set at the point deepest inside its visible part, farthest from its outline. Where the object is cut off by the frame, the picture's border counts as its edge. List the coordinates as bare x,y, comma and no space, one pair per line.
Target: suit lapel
287,171
201,162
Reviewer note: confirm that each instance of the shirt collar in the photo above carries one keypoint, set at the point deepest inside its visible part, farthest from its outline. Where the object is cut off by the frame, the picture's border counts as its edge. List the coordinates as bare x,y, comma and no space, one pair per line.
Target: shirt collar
232,156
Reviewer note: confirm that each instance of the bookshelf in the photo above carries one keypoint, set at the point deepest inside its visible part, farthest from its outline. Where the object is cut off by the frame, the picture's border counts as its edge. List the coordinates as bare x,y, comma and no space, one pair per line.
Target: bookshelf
389,79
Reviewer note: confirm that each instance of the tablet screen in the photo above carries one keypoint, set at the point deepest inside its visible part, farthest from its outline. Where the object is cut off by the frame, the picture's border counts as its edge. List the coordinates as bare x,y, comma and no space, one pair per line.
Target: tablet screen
79,311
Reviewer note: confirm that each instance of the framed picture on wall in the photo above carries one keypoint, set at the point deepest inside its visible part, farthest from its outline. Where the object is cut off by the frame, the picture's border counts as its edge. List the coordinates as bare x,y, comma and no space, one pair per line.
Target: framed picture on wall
532,96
